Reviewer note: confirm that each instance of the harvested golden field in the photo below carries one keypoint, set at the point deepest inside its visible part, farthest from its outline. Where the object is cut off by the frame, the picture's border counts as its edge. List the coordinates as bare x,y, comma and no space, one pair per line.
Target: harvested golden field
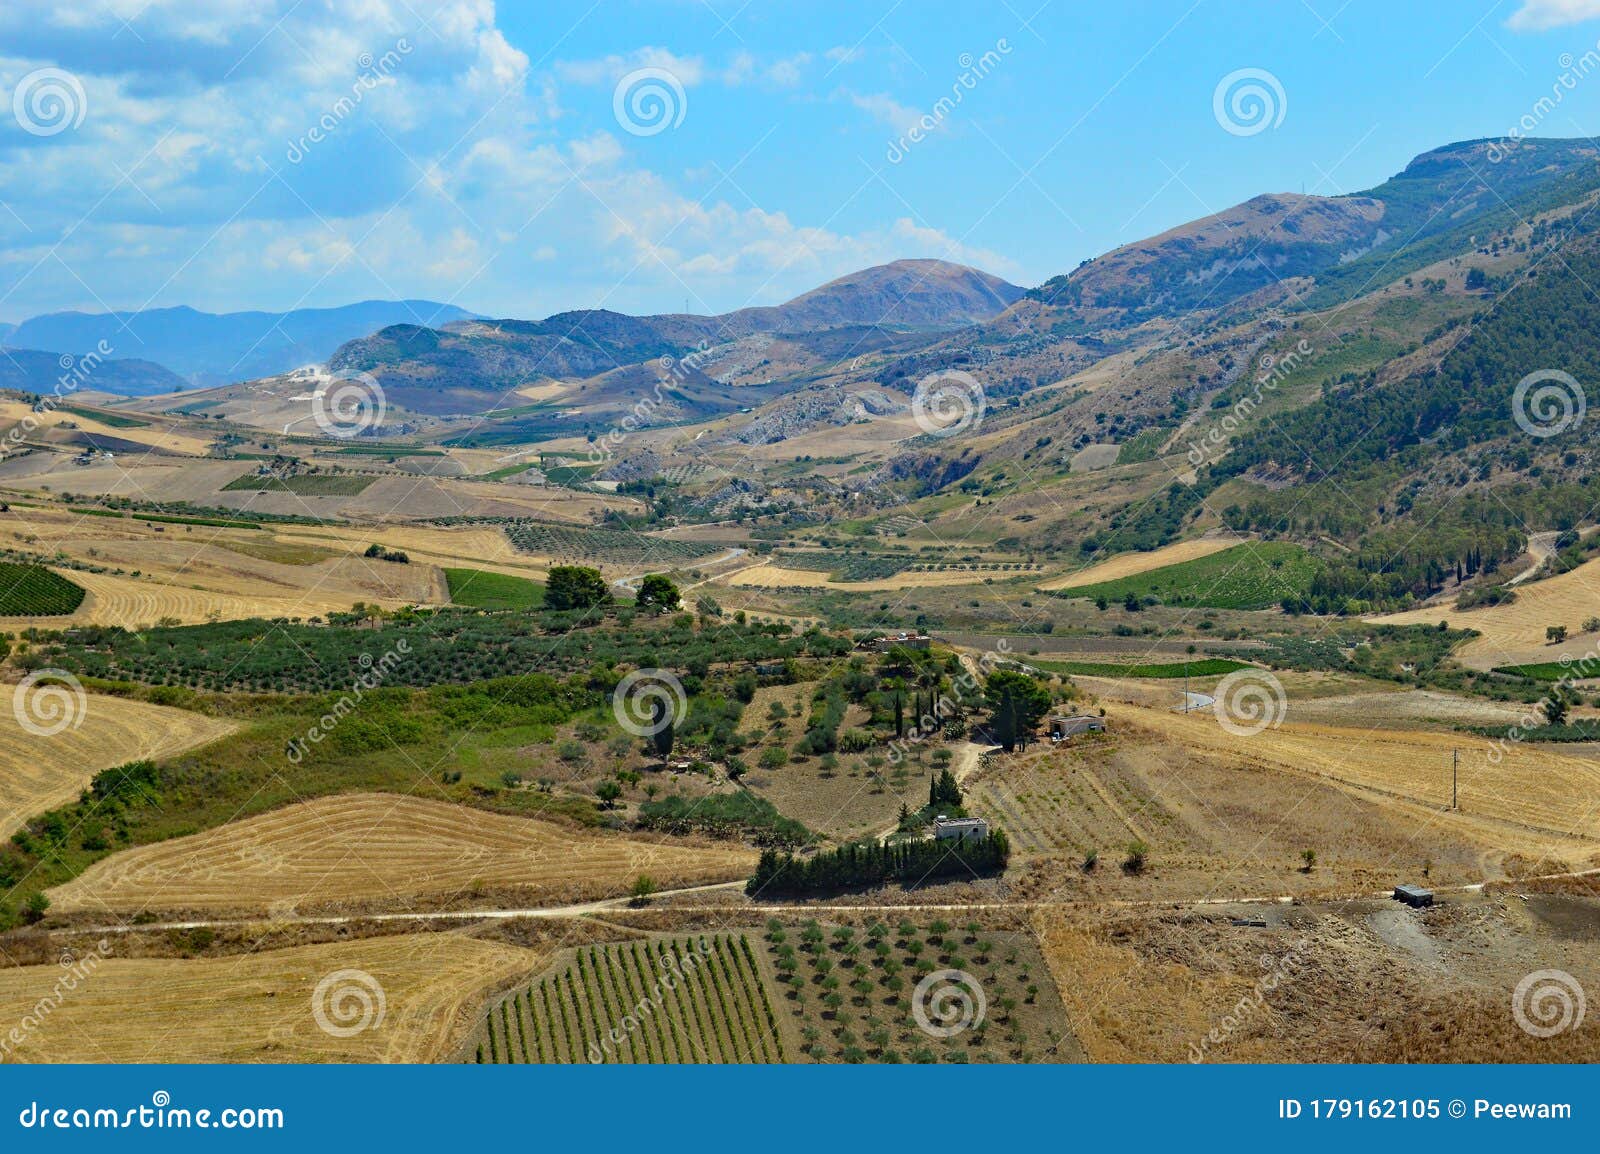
416,994
139,602
158,434
477,546
1514,634
1133,564
42,770
1522,797
196,572
370,848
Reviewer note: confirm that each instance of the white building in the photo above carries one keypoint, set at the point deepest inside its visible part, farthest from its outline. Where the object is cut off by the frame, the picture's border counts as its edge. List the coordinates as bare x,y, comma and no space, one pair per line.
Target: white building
960,828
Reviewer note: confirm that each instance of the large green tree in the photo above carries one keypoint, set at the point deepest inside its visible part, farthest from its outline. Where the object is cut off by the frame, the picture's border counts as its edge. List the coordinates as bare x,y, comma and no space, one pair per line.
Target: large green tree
575,587
657,592
1016,704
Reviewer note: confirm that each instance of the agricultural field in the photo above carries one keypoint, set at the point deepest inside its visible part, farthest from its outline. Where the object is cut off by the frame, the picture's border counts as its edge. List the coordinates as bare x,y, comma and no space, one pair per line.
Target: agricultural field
1069,800
1126,565
693,999
407,998
153,434
96,732
605,546
34,591
367,849
1522,797
453,646
1514,633
853,995
770,576
1256,575
482,589
304,484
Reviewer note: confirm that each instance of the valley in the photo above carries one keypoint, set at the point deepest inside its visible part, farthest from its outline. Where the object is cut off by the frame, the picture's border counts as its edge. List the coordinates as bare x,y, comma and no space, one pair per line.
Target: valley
1049,660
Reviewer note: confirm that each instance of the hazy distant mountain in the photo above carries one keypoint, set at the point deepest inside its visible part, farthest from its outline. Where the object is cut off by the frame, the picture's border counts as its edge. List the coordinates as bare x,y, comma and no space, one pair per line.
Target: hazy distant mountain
6,329
212,348
33,371
492,356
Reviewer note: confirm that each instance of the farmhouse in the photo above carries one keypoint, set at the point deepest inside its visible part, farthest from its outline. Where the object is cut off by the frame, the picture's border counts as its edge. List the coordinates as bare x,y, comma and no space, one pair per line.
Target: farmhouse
1064,726
960,828
896,641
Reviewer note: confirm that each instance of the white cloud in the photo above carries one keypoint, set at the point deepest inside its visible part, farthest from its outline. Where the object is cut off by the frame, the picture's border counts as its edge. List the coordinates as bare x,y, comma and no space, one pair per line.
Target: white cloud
444,177
1537,15
885,109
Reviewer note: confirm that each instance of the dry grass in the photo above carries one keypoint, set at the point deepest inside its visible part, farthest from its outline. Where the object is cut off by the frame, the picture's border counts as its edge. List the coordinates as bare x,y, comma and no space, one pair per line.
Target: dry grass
156,435
258,1007
38,773
1514,634
1522,798
384,848
198,572
1133,564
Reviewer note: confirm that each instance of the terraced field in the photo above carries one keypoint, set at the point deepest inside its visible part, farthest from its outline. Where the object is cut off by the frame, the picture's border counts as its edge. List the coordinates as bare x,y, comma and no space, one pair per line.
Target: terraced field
375,848
699,999
44,767
409,998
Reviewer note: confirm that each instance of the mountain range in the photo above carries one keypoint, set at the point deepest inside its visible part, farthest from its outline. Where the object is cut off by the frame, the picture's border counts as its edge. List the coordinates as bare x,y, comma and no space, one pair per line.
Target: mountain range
216,348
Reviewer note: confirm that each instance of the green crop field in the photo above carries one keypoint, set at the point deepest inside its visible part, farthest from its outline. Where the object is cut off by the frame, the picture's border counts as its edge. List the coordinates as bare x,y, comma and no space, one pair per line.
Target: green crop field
683,1000
115,420
34,591
480,589
305,484
1200,667
1257,575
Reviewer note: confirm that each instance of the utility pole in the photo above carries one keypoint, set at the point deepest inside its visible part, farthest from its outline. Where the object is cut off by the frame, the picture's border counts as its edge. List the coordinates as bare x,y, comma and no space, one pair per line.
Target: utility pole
1455,761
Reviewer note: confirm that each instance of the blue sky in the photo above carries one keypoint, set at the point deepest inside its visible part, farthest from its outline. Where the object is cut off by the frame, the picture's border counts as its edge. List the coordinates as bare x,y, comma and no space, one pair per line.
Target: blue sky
273,154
